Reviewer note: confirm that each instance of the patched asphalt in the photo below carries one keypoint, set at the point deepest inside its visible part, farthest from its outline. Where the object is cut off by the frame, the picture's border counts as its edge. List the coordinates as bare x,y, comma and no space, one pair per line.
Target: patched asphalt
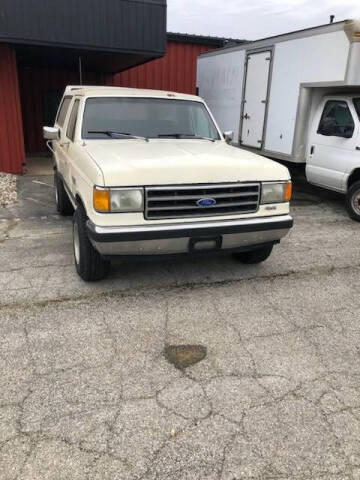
87,391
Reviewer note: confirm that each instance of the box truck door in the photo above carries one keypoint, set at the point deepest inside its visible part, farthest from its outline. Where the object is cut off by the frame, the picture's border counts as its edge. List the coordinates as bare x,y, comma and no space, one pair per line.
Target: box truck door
255,99
333,143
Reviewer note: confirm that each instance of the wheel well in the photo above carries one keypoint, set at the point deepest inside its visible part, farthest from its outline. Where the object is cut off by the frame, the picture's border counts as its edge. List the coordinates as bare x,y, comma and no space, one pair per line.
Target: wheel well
79,201
354,177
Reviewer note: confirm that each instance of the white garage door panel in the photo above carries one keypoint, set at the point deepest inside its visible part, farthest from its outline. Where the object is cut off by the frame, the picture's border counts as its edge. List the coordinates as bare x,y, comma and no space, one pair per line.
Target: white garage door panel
257,79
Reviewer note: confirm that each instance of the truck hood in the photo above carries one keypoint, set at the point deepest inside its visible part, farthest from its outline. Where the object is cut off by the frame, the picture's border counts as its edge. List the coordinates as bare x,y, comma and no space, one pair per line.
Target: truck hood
167,162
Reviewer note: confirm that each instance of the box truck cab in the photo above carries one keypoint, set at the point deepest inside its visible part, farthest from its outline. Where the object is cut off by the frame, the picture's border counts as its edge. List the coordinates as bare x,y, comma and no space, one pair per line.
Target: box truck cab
333,153
295,98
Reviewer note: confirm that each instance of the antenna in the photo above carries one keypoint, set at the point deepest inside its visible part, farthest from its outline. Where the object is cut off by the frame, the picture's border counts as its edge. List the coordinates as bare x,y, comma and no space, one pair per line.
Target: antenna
332,18
80,71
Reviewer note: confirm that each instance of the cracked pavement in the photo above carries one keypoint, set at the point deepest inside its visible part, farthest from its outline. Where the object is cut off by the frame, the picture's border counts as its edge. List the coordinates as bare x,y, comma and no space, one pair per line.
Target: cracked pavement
85,390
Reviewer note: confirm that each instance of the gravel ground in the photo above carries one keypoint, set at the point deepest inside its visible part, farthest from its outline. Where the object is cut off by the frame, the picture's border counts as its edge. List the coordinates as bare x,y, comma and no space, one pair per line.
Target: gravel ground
8,192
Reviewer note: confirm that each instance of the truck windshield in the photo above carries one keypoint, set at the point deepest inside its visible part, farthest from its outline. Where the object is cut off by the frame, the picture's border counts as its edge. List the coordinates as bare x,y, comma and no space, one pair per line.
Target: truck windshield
357,106
146,117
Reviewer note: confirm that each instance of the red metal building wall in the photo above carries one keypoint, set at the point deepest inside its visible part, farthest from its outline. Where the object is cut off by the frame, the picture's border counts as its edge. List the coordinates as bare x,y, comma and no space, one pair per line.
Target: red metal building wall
34,82
12,154
22,90
175,72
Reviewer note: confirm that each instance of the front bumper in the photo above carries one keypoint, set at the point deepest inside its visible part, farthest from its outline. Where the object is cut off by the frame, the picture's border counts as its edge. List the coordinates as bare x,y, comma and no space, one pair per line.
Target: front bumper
178,238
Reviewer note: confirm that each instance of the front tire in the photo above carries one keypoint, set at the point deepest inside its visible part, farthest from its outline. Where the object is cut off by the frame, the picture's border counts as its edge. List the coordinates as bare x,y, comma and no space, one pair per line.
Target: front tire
254,256
89,264
353,201
63,204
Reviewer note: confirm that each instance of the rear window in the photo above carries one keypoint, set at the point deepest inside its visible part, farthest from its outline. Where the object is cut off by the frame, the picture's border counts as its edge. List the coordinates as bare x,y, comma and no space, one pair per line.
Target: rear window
63,111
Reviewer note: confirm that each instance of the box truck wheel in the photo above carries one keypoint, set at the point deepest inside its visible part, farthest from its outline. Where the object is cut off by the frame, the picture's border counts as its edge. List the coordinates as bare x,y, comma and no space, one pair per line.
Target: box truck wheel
254,256
353,201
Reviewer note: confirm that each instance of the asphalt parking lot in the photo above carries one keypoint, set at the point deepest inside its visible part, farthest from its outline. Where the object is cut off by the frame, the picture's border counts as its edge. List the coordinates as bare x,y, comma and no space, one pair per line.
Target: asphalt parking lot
87,393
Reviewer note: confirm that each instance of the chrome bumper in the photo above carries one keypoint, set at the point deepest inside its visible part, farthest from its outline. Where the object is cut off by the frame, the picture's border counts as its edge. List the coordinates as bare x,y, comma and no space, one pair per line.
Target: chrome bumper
177,238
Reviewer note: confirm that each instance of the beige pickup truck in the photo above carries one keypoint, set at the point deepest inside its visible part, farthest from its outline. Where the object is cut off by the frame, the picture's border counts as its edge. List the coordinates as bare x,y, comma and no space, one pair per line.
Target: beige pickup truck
149,173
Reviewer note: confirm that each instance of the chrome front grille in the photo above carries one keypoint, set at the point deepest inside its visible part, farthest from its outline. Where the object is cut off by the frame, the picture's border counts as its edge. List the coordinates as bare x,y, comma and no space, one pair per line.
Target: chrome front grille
180,201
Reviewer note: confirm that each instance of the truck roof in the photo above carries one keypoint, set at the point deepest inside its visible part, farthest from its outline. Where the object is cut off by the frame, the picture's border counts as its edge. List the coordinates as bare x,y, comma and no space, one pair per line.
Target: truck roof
93,90
351,27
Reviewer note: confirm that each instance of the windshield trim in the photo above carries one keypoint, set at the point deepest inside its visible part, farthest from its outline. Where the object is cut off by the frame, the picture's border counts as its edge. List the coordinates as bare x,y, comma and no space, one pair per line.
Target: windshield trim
90,97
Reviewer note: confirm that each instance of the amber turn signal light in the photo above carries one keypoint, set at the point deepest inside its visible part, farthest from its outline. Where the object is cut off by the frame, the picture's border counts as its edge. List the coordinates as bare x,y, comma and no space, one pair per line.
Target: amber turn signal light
288,192
101,200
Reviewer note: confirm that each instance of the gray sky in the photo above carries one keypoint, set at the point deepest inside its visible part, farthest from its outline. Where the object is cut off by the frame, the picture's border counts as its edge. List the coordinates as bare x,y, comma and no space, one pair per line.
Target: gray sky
253,19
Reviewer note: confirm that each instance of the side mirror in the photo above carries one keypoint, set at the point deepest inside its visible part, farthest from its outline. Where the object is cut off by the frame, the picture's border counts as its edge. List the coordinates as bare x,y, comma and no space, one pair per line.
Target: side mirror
228,136
51,133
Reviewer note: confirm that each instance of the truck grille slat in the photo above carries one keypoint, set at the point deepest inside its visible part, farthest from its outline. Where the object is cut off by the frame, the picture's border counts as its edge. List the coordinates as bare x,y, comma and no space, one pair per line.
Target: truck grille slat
180,201
192,207
214,195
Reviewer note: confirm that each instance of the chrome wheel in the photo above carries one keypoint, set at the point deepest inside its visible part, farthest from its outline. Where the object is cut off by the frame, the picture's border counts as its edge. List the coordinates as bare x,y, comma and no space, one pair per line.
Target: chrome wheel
355,202
56,195
76,241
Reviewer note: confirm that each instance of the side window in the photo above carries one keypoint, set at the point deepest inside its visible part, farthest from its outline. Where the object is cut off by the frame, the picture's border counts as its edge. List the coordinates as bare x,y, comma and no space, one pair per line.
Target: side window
202,126
60,119
336,120
70,132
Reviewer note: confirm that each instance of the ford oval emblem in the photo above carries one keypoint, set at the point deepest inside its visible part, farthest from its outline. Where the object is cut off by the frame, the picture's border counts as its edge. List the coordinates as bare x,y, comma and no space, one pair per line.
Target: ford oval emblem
206,202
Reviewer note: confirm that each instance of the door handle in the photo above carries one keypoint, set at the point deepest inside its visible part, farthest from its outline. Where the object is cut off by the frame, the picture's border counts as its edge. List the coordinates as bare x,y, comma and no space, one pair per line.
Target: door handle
312,149
246,116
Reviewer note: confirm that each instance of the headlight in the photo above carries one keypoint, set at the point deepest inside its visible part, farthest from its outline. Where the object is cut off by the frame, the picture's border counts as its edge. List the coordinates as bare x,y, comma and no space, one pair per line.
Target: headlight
273,192
118,199
126,200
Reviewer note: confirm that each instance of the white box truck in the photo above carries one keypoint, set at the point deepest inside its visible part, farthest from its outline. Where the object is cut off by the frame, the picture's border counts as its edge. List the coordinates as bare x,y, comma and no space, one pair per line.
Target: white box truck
294,97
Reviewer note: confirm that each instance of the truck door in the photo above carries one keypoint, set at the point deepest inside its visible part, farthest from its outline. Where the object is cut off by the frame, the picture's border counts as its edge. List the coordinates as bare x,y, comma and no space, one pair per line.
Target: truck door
68,146
333,142
255,99
59,122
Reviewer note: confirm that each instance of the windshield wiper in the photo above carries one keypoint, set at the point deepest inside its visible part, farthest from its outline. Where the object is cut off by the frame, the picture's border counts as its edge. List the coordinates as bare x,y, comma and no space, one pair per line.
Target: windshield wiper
111,133
185,135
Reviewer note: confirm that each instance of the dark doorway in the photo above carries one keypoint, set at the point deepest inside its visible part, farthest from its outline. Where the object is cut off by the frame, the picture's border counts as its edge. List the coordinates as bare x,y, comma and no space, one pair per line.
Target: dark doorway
40,92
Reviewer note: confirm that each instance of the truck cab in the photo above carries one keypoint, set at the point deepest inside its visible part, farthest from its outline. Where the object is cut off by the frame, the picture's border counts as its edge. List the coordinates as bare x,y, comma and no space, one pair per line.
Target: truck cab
333,153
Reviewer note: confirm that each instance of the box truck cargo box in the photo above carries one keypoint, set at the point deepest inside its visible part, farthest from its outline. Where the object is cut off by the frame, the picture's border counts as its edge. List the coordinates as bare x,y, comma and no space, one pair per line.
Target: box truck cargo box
294,97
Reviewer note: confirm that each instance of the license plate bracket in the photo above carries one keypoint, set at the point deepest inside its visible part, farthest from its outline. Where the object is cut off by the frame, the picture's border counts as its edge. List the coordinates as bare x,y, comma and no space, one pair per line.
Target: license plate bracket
205,244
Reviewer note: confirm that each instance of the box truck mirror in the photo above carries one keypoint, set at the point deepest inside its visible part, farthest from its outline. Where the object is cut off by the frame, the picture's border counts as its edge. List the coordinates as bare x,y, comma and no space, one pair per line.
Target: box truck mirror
228,136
